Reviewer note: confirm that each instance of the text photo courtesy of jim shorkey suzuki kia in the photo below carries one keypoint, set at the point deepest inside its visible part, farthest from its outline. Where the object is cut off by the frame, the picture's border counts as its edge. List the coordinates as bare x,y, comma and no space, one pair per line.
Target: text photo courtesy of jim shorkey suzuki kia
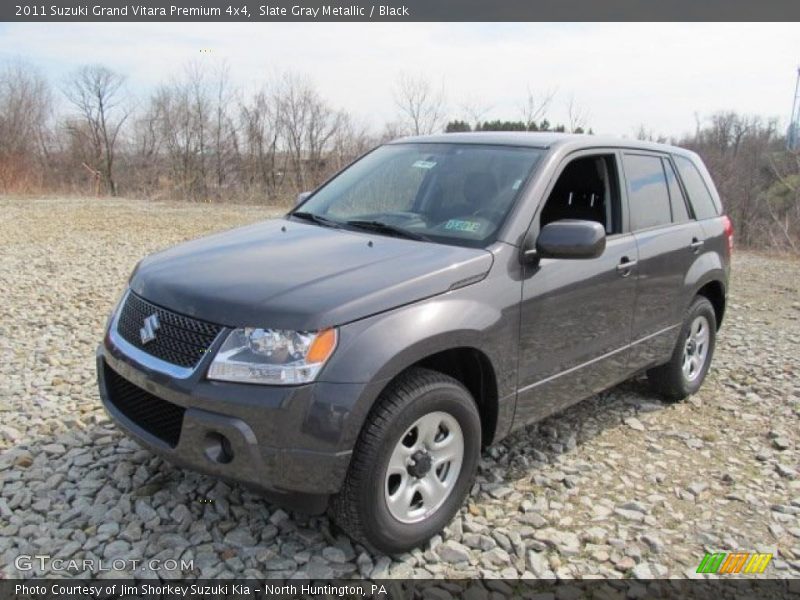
195,590
399,300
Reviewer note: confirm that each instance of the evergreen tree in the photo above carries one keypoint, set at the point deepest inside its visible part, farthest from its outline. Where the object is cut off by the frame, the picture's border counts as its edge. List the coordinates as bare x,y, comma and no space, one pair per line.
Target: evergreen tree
457,126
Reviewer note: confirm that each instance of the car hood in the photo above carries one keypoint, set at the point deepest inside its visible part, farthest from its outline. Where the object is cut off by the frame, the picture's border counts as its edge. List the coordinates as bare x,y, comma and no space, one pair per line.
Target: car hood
290,275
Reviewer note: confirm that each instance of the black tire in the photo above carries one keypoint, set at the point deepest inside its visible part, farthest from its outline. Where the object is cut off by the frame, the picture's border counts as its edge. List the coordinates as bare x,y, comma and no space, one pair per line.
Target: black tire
669,380
361,508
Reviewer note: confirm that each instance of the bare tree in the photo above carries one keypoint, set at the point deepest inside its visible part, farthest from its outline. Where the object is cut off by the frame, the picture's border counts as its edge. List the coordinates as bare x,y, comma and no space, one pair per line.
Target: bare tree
647,135
323,124
173,118
475,110
171,113
577,116
755,176
535,106
199,113
421,103
782,202
261,132
293,111
197,135
351,140
25,104
308,124
95,92
391,131
224,128
144,152
195,129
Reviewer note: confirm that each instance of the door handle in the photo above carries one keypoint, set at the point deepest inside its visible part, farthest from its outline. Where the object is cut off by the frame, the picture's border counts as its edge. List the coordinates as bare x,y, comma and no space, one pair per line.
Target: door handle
696,245
625,265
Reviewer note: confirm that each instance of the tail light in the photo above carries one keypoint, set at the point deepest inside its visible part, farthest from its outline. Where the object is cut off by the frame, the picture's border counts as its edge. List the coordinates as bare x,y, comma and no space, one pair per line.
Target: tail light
728,224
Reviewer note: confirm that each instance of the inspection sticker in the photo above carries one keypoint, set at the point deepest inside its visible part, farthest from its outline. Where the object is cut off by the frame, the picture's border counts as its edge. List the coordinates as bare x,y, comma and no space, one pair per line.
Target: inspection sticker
459,225
424,164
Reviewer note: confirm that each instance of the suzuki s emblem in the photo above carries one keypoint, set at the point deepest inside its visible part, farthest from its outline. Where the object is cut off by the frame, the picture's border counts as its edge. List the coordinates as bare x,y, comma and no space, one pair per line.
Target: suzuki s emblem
148,332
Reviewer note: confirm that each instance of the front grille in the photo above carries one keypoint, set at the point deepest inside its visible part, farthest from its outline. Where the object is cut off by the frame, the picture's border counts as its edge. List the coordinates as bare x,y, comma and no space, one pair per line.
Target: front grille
156,416
179,340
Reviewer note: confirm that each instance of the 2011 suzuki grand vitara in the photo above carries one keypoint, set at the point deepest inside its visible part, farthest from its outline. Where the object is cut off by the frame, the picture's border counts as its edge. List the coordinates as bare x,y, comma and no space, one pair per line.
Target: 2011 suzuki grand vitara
438,293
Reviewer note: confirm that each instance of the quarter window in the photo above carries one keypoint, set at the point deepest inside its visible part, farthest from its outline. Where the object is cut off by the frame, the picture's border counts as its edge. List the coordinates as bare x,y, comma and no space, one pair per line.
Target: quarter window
702,202
680,214
647,191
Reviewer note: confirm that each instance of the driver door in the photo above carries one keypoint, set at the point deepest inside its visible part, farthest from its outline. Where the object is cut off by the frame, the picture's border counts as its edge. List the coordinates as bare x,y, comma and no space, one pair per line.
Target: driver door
576,314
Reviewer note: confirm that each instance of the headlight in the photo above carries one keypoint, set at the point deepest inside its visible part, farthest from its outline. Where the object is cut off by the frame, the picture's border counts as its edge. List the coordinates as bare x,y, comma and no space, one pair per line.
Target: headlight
272,356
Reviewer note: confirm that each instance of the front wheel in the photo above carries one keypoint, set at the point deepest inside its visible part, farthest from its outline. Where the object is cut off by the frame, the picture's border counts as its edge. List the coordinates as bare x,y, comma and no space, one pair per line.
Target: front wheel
413,464
684,373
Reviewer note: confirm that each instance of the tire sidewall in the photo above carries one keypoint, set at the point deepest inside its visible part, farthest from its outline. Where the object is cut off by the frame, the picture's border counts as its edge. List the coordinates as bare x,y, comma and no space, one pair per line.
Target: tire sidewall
386,531
700,307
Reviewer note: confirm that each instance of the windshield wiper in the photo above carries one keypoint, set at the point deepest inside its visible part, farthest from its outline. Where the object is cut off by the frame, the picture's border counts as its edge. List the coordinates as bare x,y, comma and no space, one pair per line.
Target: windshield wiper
314,218
381,227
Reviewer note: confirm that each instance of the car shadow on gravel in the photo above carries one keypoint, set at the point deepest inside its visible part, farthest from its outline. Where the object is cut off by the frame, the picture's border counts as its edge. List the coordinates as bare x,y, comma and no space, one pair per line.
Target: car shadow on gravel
105,482
555,438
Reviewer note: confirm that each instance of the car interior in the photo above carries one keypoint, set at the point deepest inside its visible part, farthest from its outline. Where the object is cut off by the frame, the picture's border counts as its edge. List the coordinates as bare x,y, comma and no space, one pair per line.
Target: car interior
586,189
481,192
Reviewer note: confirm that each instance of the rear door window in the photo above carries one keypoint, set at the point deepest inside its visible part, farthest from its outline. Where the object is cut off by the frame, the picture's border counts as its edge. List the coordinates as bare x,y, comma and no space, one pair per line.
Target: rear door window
648,196
699,196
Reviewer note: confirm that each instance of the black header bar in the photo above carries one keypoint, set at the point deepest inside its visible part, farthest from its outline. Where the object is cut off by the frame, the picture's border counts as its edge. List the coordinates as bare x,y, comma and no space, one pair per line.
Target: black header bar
399,10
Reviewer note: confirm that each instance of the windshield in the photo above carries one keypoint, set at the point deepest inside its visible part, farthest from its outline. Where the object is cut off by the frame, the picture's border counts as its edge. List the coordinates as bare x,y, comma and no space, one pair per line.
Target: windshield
451,193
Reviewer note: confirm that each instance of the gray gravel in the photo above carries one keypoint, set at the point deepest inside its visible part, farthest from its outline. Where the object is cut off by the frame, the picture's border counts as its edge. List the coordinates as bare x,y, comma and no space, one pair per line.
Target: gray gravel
620,485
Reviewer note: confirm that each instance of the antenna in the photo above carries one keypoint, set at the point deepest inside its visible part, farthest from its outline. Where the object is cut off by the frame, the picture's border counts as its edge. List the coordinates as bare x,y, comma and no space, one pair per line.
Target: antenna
793,133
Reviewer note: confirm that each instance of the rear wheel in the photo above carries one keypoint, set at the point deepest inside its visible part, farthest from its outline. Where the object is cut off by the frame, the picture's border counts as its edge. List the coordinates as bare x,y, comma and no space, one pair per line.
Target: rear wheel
685,372
413,464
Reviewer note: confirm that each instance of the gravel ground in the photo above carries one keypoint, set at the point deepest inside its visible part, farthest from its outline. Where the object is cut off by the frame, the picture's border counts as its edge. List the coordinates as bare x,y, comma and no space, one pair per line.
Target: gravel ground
620,485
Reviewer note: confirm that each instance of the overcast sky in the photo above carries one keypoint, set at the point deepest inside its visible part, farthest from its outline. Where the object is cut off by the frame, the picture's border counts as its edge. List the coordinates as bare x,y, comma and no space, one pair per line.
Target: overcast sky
624,75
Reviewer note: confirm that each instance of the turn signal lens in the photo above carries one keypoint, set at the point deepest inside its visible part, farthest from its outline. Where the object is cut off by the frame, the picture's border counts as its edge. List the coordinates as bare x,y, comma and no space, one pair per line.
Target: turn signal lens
322,346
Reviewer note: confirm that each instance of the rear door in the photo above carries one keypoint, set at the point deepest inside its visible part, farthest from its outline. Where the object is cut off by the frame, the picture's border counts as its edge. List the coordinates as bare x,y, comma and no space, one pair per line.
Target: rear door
706,208
668,240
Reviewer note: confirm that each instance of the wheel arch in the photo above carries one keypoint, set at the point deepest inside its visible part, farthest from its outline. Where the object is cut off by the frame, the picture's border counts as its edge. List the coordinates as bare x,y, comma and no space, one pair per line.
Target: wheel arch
469,365
714,291
708,277
474,370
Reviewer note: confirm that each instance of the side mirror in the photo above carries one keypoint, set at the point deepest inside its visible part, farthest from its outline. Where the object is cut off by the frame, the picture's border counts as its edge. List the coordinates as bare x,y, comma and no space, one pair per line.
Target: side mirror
300,197
570,238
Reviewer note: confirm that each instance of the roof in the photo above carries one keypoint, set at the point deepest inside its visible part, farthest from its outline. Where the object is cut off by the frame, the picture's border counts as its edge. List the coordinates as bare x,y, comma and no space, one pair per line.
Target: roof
535,139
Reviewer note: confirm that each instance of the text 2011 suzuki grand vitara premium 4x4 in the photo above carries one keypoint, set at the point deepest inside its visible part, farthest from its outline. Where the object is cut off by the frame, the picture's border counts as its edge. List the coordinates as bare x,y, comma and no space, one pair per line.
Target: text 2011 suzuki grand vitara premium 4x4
426,301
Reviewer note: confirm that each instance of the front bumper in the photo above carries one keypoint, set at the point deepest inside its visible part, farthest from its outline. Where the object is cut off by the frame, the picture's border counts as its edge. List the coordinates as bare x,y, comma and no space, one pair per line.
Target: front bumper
283,440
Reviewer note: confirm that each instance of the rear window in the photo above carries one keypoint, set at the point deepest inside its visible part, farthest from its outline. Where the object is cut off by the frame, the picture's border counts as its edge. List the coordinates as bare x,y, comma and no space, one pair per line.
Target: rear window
699,196
647,191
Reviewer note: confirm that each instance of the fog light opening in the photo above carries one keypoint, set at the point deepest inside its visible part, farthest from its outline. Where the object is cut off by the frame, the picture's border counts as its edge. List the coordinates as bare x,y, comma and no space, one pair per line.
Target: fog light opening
218,448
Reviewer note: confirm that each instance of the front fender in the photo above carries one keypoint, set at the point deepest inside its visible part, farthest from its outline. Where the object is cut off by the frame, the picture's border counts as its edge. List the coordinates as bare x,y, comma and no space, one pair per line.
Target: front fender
379,348
375,350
